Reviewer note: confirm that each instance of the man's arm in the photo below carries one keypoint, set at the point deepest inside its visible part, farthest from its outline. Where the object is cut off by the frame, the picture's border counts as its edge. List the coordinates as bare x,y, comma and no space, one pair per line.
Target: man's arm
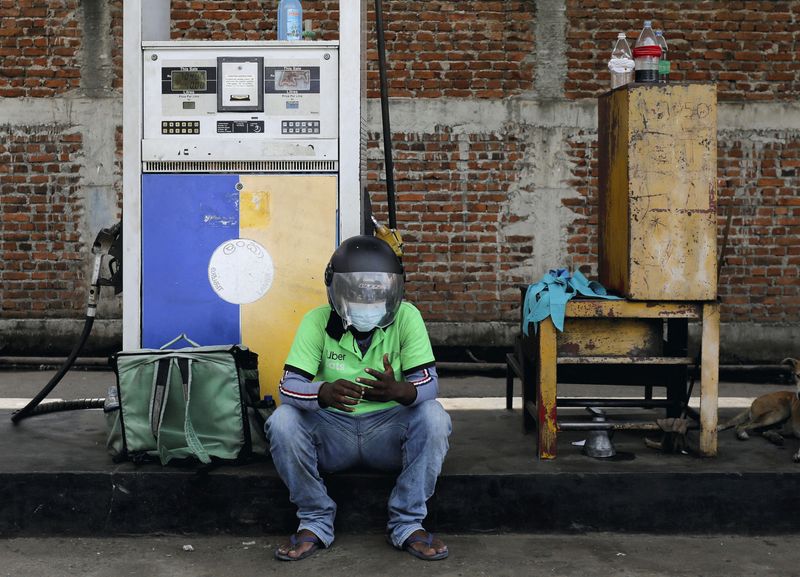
426,382
301,392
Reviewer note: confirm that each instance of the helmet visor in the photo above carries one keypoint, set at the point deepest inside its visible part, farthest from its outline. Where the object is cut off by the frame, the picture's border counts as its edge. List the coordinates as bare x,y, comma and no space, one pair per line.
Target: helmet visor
366,300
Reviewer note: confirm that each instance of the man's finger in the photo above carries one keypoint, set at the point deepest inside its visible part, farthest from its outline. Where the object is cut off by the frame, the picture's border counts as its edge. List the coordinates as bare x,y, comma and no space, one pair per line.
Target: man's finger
386,364
373,395
370,383
347,388
350,389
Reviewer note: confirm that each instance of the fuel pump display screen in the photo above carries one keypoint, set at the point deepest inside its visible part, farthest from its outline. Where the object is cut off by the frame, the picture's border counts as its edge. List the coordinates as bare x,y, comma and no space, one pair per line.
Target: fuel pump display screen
299,80
291,92
291,79
181,80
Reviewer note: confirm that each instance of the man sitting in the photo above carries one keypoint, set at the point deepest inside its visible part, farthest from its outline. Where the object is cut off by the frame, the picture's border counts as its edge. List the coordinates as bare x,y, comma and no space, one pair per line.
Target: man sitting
359,388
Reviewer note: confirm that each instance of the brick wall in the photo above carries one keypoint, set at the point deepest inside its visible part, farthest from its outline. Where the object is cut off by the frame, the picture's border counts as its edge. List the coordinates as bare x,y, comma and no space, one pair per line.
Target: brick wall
39,44
115,9
582,241
437,49
40,250
451,194
43,207
759,182
748,48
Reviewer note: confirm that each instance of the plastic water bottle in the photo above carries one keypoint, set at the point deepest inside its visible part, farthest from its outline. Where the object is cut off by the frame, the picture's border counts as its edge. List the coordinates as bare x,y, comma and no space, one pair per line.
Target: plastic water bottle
111,402
663,62
647,53
308,30
621,62
290,20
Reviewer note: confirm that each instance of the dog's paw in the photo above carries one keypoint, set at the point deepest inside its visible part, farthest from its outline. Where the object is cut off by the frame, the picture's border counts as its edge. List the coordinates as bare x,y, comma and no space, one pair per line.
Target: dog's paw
742,435
796,457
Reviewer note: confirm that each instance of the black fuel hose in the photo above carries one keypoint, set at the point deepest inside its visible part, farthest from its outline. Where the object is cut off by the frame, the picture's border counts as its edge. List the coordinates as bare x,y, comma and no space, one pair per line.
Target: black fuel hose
66,405
31,408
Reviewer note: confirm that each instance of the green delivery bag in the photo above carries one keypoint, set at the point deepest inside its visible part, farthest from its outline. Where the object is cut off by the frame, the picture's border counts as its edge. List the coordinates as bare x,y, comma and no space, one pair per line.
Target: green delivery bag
195,402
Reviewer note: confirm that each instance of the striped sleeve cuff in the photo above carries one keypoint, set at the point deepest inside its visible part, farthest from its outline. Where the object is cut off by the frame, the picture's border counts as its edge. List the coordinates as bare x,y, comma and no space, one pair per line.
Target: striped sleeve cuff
426,382
299,391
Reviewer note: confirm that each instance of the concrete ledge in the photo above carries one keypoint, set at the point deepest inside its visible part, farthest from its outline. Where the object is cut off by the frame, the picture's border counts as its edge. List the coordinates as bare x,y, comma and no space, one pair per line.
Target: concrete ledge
58,480
57,337
104,504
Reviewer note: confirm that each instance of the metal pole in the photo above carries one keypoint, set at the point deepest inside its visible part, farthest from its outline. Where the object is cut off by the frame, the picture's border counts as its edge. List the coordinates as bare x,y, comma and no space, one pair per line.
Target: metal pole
387,131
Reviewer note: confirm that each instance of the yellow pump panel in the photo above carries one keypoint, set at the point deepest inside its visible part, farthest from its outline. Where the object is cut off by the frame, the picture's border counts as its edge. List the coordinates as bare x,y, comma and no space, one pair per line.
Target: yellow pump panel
294,218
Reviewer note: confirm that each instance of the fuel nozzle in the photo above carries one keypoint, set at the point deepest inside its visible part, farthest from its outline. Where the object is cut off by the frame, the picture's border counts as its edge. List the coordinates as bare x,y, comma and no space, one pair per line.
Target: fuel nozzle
106,247
108,244
390,236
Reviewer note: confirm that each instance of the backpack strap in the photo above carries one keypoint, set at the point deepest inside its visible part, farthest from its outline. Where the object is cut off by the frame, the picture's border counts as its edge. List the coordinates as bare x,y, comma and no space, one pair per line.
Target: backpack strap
176,339
158,394
158,402
192,440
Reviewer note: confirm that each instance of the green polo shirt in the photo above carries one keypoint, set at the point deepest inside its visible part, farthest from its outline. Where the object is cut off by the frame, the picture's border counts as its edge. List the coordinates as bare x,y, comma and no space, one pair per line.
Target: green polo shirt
323,351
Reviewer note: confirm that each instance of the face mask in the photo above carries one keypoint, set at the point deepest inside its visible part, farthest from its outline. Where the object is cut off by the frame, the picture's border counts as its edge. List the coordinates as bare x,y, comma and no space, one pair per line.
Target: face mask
365,317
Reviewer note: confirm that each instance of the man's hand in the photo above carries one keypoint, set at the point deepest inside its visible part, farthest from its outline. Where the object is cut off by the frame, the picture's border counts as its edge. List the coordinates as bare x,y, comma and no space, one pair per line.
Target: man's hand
386,388
339,394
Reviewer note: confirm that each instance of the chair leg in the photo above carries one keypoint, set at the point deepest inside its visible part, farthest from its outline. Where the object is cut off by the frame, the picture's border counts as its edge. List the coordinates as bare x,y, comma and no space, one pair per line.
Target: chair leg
676,390
509,385
528,386
546,418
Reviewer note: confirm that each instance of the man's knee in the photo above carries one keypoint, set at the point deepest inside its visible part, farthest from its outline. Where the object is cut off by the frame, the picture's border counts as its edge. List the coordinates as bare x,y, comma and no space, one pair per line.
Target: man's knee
432,416
284,424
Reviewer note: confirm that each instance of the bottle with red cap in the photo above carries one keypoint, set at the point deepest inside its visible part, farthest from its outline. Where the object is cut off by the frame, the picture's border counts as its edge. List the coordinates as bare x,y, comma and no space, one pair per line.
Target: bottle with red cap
646,54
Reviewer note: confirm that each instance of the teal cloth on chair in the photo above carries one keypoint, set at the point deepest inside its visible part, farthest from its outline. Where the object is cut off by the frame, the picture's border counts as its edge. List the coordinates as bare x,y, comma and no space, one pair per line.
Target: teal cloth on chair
549,297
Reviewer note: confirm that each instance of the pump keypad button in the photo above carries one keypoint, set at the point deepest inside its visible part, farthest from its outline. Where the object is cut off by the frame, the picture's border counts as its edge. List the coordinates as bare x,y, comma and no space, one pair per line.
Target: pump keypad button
300,127
180,127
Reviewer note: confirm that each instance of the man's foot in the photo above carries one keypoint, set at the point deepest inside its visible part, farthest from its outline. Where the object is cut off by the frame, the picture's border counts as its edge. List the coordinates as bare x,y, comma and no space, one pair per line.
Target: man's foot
301,545
424,545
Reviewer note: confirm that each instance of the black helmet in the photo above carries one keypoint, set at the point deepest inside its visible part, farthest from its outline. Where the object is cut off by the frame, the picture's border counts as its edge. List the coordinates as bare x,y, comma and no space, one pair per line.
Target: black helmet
365,283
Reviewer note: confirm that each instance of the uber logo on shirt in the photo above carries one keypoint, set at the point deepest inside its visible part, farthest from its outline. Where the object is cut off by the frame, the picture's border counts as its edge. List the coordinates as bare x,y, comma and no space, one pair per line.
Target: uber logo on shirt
335,361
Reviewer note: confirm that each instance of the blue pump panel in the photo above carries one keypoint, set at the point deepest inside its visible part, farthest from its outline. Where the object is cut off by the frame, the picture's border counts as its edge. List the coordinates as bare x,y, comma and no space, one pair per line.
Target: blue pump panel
185,217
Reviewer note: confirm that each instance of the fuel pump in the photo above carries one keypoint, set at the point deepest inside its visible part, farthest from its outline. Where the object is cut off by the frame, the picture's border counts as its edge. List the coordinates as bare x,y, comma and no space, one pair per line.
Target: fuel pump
243,163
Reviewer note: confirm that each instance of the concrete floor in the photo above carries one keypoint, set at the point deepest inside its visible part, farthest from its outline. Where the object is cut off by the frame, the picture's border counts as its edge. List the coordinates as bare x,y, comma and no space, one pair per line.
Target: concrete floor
591,555
484,441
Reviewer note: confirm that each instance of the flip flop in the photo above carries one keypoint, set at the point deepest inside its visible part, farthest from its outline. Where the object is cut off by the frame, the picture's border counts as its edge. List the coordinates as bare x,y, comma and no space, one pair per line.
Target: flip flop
294,541
428,541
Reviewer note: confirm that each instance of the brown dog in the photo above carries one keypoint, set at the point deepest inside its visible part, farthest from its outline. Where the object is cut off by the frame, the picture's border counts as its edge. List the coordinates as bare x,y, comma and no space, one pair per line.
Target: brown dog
773,415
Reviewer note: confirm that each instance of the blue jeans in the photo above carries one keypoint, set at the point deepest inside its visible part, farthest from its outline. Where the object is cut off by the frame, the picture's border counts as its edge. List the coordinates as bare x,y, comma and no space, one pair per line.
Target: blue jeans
411,439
